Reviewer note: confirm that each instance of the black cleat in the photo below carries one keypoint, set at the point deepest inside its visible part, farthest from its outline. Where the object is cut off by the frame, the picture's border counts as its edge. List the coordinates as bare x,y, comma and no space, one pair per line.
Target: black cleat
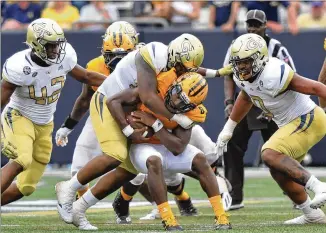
186,207
121,209
222,222
171,225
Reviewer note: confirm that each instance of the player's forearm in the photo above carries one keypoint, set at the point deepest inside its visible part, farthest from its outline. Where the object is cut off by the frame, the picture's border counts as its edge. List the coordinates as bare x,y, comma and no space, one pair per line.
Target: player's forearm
229,88
80,108
88,77
117,112
171,142
241,107
155,104
322,79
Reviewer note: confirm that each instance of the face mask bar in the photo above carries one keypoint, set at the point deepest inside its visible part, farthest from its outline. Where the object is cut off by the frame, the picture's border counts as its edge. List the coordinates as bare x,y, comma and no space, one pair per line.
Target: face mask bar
60,55
112,59
182,105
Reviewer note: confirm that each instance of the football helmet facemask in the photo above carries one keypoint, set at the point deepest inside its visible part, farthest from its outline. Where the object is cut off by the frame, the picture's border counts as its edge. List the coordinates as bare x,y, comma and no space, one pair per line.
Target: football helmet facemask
249,55
188,91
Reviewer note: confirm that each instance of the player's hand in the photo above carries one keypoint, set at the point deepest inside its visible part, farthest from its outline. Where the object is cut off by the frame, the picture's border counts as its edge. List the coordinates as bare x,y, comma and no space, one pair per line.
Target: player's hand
225,136
61,136
226,70
144,117
8,148
182,120
228,110
139,135
222,142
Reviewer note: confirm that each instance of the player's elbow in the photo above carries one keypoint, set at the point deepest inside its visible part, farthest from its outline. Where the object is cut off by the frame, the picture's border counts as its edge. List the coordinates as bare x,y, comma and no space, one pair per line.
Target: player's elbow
147,97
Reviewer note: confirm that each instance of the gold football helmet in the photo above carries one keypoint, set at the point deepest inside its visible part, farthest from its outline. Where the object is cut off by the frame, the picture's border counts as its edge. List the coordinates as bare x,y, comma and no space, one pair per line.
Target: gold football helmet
186,50
123,27
47,40
115,46
249,55
188,91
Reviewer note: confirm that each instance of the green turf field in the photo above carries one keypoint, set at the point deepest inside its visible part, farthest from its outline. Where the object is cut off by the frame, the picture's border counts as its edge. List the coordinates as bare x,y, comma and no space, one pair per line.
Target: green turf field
265,210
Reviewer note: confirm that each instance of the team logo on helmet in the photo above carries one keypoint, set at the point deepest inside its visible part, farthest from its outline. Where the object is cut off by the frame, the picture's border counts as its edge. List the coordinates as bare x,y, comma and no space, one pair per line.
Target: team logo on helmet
186,47
39,28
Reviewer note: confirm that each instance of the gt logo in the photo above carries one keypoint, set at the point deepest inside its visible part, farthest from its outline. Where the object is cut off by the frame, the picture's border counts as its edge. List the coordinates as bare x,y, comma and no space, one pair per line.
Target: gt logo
253,44
186,47
39,28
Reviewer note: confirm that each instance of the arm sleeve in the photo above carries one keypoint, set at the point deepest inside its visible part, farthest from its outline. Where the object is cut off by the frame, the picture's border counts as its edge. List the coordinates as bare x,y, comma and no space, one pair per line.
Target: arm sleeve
155,55
280,85
71,55
12,75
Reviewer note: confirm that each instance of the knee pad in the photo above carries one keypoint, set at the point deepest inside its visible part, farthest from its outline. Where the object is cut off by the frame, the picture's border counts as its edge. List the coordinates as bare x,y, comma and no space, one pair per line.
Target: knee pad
139,179
26,189
173,189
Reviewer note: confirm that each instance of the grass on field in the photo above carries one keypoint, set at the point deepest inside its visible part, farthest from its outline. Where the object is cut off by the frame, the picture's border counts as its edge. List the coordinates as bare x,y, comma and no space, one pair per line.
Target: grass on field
266,208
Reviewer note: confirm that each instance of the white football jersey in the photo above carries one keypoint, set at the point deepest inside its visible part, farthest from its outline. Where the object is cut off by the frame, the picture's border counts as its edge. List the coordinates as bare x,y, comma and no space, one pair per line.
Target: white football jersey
124,75
269,93
38,87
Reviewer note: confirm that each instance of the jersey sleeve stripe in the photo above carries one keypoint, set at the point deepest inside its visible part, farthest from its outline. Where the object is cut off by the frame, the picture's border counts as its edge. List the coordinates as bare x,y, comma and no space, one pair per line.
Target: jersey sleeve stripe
282,72
287,82
147,57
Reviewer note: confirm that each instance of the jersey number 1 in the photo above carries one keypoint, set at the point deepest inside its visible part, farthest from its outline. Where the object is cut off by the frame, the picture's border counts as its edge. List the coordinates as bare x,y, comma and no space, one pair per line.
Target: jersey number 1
45,99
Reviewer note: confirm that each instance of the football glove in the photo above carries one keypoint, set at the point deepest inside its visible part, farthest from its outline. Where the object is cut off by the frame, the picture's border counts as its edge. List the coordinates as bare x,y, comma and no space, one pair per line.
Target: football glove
61,136
8,148
225,136
226,70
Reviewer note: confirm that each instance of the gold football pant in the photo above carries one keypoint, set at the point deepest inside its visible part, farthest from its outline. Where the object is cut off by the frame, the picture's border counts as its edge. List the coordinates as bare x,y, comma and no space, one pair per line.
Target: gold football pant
34,146
112,141
297,137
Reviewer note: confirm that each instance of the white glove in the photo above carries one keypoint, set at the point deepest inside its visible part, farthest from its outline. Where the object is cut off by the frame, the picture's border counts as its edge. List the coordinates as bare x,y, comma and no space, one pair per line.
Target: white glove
182,120
225,136
61,136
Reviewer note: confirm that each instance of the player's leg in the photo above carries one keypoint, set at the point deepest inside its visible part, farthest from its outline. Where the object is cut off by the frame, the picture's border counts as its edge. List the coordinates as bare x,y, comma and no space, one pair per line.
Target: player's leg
20,131
298,195
87,148
233,162
147,158
292,141
175,185
114,147
124,197
41,154
106,185
193,159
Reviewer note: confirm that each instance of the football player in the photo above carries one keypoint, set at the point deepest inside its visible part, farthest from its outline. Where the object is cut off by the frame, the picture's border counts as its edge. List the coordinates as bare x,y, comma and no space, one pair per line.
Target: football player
119,39
175,155
138,68
32,82
283,95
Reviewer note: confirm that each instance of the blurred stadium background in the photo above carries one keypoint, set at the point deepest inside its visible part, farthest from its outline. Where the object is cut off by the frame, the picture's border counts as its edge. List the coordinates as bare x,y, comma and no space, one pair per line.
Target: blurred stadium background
300,26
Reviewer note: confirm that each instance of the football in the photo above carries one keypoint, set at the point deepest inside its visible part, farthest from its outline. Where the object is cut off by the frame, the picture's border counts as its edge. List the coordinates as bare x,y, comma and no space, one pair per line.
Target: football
138,125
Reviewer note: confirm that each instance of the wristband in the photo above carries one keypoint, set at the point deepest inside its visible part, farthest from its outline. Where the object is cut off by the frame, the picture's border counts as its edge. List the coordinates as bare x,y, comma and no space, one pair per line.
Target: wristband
157,126
128,130
69,123
228,102
210,73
